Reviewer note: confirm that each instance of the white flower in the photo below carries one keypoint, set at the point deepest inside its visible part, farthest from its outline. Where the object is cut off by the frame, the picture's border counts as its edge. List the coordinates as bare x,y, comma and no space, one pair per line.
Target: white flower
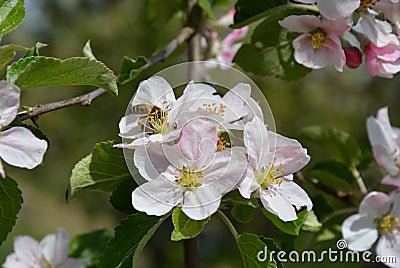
51,252
377,219
18,146
385,142
270,168
191,174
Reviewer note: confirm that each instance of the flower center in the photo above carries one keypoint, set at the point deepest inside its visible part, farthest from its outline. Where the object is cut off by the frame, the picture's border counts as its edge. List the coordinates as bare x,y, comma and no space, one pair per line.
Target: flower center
222,144
364,4
388,224
213,107
318,38
157,120
267,176
189,177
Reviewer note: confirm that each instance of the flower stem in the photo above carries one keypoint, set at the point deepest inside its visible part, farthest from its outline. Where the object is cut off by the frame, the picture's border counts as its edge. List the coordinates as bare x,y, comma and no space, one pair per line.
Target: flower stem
359,180
192,258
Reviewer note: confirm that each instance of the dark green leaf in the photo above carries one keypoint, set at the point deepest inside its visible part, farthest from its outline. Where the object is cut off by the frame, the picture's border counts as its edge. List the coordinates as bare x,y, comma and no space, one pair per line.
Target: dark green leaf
340,144
271,246
10,204
185,227
103,170
7,53
289,227
235,197
121,199
12,12
329,179
335,168
87,51
130,68
207,7
242,213
90,246
246,9
130,238
255,251
40,71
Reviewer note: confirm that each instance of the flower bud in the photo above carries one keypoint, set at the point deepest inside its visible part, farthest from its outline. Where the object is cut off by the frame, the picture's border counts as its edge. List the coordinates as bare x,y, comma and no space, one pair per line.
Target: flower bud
353,57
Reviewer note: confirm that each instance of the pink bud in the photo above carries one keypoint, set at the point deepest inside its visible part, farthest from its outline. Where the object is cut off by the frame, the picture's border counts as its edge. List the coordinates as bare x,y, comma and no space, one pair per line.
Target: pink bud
353,57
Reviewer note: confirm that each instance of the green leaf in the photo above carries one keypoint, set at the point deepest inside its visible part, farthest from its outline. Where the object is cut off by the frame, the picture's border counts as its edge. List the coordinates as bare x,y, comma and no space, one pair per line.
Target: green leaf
246,9
41,71
103,170
185,227
340,144
289,227
311,223
207,7
130,238
87,51
12,13
121,198
10,204
34,51
130,68
242,213
90,246
7,53
270,51
255,251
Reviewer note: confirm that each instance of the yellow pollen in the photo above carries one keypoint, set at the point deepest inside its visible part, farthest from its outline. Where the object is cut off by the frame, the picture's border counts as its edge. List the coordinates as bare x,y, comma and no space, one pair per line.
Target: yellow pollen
189,177
364,4
219,110
157,120
268,176
318,39
222,144
388,224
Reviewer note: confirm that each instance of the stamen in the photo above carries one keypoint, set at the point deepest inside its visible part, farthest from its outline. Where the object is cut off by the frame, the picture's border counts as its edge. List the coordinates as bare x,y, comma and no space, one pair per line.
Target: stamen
364,4
222,144
388,224
318,38
189,177
268,176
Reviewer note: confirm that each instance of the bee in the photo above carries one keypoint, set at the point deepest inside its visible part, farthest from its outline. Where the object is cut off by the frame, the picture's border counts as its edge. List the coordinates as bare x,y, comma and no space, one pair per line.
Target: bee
143,108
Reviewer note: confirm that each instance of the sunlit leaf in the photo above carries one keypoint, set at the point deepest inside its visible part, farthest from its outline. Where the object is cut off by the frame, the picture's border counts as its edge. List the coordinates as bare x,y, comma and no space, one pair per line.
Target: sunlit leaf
185,227
12,13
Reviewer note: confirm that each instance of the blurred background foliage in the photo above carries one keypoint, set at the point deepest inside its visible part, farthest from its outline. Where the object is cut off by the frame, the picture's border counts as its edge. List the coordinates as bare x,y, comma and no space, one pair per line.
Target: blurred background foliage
127,27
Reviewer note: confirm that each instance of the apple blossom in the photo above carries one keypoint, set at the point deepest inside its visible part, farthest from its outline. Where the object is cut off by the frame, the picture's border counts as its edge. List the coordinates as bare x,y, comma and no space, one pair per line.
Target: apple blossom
377,31
270,168
385,142
51,252
319,44
377,219
18,146
382,61
193,174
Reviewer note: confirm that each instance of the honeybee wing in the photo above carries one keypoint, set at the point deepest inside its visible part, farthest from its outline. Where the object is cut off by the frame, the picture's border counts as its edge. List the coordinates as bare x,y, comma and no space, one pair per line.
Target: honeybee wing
141,106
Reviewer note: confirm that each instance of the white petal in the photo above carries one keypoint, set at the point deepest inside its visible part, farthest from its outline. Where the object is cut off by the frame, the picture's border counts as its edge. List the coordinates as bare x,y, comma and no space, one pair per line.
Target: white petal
377,31
375,204
27,250
389,246
201,202
129,126
19,147
360,232
304,24
278,204
13,262
55,247
337,9
9,102
157,197
391,180
249,184
156,91
295,194
2,172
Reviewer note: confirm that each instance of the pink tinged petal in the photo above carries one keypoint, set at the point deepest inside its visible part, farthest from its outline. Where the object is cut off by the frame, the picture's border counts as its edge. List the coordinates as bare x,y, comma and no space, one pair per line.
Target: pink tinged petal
338,9
383,117
2,172
336,27
303,24
295,194
55,247
306,55
360,232
383,146
377,31
129,126
19,147
337,55
9,102
234,36
157,197
391,180
375,204
27,250
201,202
198,139
256,140
278,204
73,263
156,91
151,160
389,246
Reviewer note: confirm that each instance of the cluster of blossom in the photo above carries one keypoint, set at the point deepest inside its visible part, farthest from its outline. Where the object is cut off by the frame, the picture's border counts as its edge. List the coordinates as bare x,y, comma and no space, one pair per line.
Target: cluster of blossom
345,30
195,149
379,213
51,252
18,146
